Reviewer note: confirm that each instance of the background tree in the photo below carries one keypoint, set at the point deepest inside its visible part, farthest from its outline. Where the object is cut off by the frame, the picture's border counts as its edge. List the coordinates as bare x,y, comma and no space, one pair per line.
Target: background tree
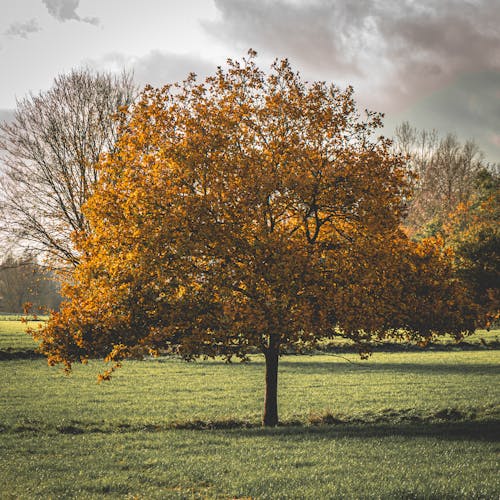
445,175
247,212
457,196
473,232
49,153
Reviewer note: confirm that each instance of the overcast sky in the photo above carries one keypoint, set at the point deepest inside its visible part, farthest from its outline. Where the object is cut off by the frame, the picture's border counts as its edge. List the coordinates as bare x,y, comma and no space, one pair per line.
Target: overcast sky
435,63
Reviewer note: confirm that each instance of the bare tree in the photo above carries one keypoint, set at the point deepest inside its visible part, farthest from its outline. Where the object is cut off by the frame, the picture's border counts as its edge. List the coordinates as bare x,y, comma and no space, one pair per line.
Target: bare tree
49,153
446,171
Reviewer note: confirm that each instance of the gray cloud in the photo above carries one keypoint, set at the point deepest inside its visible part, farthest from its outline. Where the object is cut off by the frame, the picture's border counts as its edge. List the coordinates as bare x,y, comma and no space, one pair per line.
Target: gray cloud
469,107
23,29
65,10
317,34
392,51
157,67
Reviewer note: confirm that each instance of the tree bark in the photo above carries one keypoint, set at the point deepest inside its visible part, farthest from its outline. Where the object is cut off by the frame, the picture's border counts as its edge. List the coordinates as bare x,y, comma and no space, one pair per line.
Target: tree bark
270,417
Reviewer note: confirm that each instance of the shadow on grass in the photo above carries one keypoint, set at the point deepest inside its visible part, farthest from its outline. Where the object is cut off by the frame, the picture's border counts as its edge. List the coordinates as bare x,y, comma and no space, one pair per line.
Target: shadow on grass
10,354
487,430
339,364
452,431
480,345
449,423
311,367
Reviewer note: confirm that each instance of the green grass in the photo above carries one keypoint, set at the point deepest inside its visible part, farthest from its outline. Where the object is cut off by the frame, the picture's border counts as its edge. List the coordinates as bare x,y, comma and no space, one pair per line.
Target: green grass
159,392
18,317
300,463
13,336
414,425
10,316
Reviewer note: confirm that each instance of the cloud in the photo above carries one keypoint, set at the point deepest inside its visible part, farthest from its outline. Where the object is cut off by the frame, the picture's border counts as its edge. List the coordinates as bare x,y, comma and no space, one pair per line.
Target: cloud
23,29
393,52
468,107
495,139
65,10
157,67
310,33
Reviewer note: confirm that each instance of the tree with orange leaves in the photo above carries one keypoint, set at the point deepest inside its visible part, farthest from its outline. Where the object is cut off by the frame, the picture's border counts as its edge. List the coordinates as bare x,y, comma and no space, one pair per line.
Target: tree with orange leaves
472,231
249,211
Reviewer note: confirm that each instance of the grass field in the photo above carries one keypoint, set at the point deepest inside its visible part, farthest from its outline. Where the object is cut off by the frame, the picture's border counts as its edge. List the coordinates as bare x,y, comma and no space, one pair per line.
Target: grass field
400,425
13,337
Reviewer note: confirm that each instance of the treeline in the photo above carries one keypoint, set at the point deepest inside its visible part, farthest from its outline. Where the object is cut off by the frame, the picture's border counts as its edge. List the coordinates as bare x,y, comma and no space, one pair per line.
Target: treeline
24,282
456,197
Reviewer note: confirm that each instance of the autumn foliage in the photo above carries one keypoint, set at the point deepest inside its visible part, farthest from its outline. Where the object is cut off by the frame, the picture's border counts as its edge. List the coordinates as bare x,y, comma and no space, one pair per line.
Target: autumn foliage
472,231
250,211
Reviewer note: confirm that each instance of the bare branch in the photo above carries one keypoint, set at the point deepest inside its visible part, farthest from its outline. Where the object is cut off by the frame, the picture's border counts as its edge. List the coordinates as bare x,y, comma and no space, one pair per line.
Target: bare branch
49,154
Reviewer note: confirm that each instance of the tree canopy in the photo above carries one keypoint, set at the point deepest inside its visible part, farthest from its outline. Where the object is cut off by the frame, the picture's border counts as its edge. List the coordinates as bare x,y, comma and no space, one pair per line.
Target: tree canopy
250,211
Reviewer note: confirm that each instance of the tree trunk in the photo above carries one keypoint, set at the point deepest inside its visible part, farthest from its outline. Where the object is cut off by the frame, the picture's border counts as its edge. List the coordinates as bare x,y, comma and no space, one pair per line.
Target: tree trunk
270,418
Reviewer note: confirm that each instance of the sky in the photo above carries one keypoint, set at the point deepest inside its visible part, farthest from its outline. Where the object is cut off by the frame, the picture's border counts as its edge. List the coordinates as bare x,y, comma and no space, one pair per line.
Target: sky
435,63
